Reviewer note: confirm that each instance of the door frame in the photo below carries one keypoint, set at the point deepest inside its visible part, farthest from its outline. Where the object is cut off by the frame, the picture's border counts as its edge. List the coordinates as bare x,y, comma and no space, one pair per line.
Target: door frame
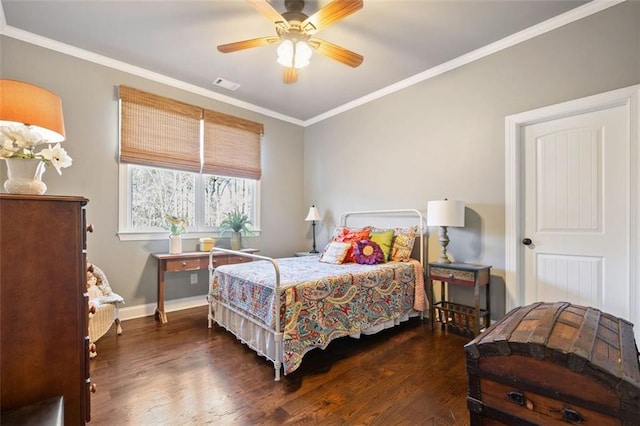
629,97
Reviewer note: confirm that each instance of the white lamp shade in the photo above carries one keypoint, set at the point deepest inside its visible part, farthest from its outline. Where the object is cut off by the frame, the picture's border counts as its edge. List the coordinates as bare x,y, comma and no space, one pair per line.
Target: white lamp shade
313,214
285,53
303,54
294,53
445,213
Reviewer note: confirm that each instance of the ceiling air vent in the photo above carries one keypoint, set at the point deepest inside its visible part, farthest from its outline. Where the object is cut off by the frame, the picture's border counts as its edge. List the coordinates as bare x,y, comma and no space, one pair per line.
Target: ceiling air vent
229,85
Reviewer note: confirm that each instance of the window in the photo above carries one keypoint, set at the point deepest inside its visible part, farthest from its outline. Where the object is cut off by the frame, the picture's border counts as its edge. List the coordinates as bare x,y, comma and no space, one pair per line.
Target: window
184,161
153,192
225,194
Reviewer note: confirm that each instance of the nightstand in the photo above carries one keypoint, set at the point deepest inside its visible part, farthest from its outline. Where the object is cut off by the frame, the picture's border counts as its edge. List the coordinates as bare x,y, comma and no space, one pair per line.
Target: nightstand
468,320
306,253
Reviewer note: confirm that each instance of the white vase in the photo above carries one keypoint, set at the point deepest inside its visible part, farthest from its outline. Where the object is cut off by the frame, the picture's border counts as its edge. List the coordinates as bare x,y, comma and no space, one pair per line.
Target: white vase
175,243
24,176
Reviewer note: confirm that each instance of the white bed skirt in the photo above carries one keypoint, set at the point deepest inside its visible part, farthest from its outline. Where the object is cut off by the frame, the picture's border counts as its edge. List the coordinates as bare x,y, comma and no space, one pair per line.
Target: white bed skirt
252,335
262,340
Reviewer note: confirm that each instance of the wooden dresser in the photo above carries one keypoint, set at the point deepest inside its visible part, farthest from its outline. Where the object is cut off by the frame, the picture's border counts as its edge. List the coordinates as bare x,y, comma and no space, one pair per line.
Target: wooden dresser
43,303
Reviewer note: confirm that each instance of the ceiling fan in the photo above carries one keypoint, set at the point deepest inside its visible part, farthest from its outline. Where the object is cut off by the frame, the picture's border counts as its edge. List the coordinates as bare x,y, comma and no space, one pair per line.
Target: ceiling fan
295,31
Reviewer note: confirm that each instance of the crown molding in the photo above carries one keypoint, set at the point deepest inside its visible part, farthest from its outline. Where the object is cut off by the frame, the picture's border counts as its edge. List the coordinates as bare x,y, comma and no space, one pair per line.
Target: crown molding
551,24
86,55
568,17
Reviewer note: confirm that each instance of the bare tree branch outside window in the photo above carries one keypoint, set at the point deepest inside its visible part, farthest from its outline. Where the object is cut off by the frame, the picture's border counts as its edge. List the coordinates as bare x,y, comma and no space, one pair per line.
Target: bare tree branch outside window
156,192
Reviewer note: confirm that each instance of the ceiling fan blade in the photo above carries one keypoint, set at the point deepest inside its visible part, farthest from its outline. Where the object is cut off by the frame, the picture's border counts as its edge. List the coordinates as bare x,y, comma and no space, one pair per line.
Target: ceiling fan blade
247,44
336,52
333,12
266,10
290,75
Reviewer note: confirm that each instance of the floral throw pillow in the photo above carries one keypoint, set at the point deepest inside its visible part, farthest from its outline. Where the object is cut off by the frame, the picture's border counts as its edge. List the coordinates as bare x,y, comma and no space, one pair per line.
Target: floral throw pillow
367,252
335,252
349,235
403,243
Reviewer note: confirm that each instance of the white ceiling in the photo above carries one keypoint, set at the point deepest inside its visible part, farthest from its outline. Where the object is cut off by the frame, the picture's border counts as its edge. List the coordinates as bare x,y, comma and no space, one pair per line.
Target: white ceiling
175,41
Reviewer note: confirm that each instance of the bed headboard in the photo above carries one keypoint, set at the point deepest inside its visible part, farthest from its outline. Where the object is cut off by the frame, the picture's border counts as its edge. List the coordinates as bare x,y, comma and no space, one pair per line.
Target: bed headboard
389,218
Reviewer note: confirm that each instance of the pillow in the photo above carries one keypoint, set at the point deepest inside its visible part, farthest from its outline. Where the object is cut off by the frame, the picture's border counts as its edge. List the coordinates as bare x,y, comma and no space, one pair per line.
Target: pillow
342,232
403,243
349,235
335,252
367,252
384,240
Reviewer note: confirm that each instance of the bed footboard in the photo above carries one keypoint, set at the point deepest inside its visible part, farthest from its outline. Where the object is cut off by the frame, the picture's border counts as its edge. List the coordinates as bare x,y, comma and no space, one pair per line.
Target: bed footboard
275,332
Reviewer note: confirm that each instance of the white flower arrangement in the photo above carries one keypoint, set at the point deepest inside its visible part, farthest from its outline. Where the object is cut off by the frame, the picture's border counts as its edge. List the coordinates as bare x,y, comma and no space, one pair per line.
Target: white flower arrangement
21,141
178,225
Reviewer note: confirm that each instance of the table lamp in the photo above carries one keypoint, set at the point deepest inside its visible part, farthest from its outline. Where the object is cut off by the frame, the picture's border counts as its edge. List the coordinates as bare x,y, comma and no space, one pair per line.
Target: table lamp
26,104
444,213
312,217
30,117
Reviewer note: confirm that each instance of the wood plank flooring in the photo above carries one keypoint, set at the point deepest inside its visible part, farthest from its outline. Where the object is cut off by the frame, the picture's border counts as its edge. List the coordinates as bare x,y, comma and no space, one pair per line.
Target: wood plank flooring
183,373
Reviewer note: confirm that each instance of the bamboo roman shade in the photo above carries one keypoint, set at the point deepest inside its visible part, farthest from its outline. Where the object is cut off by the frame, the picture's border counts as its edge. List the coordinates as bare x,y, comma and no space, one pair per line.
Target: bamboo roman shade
231,146
157,131
161,132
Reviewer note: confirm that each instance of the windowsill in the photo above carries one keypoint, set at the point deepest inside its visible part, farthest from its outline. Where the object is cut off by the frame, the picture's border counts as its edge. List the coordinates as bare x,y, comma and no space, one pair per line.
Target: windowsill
153,236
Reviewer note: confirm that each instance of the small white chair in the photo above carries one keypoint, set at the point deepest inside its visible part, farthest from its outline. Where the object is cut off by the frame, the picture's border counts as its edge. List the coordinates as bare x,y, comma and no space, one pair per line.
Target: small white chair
103,306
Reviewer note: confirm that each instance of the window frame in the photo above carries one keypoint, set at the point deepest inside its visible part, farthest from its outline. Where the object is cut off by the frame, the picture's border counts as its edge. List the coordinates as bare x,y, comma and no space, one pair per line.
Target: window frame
141,154
124,211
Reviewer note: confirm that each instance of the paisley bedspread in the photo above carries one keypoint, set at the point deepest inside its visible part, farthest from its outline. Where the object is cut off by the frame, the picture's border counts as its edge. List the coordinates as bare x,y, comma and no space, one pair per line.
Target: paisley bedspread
320,301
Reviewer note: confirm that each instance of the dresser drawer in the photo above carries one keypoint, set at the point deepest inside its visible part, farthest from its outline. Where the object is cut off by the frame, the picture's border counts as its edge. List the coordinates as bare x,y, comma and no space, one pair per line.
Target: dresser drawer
217,261
238,259
444,274
183,265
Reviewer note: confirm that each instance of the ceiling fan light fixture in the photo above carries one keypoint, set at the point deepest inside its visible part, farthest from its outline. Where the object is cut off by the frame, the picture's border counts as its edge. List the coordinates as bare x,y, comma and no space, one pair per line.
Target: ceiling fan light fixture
296,55
294,34
302,54
285,53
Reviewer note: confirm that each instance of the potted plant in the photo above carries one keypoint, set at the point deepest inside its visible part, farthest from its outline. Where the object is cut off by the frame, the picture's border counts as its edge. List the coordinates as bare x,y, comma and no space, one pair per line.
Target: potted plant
236,222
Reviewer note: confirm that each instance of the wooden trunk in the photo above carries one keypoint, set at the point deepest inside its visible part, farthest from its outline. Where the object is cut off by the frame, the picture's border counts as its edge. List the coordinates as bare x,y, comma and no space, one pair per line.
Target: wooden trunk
553,364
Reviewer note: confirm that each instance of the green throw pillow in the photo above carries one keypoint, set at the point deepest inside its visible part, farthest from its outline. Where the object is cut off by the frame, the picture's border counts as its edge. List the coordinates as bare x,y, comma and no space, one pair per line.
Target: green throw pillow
383,239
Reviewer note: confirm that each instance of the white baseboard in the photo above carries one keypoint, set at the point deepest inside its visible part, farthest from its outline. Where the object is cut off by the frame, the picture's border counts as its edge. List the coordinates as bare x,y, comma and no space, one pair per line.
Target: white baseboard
139,311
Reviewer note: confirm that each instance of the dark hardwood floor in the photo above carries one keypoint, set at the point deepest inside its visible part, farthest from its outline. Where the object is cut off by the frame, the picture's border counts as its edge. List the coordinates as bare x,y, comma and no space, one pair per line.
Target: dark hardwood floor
183,373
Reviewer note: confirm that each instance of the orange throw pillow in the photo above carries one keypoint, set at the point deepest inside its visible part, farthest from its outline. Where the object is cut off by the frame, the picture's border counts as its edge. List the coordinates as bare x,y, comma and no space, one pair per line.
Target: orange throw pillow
351,236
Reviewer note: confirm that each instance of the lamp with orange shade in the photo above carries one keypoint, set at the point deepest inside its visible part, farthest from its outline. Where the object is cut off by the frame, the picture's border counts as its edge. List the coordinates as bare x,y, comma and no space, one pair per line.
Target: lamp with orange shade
33,106
30,116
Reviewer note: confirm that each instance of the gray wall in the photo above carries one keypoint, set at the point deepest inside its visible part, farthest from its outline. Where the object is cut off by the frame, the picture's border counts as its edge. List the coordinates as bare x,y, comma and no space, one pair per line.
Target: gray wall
88,93
445,136
441,138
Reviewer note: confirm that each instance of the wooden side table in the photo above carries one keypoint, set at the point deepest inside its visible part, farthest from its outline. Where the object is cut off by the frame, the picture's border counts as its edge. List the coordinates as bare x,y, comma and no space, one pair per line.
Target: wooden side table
191,261
462,318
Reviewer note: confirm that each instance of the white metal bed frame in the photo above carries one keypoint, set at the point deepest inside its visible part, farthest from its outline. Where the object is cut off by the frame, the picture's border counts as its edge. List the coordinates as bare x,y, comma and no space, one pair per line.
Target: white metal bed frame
275,331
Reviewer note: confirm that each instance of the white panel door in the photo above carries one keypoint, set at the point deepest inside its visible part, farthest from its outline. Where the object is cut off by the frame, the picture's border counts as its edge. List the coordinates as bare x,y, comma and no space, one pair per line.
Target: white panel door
576,204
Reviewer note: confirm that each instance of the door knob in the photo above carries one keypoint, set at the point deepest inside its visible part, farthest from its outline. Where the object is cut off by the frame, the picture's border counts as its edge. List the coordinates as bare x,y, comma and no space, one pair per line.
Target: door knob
527,241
